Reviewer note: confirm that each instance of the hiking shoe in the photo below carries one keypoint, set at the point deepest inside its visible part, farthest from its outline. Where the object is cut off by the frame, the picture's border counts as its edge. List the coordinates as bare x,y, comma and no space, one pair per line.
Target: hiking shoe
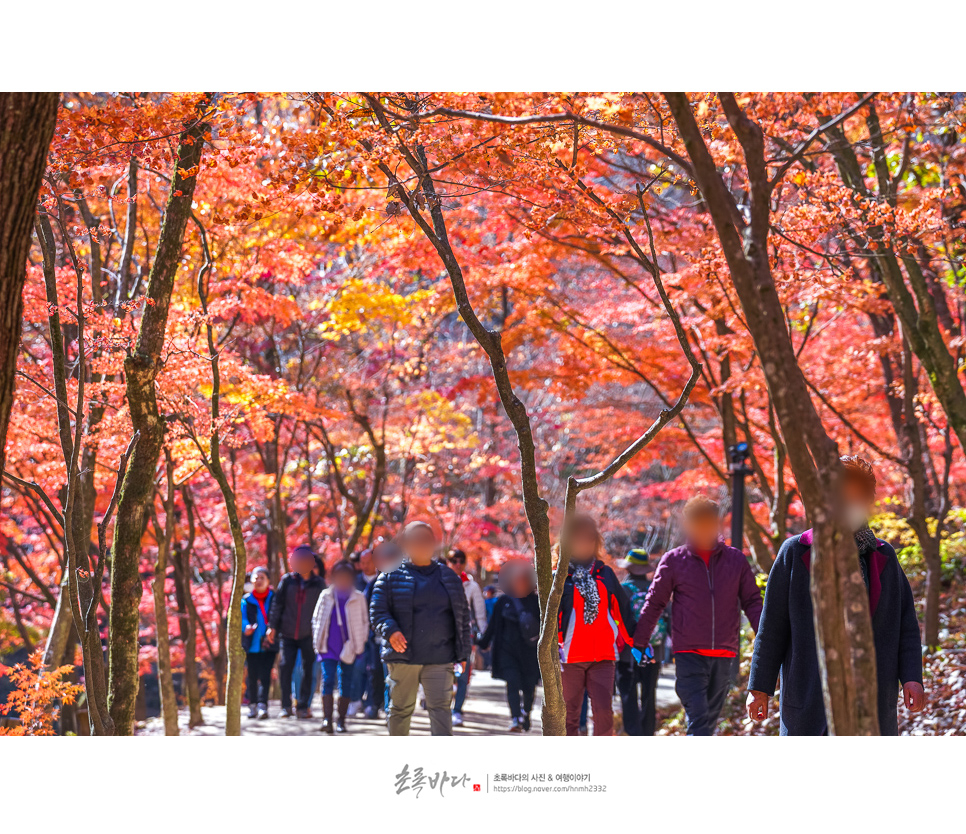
303,714
340,726
457,719
285,713
252,711
327,728
525,722
262,712
516,726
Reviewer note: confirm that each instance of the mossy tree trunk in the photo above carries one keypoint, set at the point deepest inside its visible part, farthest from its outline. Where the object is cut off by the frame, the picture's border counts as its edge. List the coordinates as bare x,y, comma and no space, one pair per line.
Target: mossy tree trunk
137,491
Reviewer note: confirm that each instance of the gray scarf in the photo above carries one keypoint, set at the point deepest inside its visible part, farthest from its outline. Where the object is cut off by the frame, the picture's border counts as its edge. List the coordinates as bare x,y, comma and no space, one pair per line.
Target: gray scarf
586,584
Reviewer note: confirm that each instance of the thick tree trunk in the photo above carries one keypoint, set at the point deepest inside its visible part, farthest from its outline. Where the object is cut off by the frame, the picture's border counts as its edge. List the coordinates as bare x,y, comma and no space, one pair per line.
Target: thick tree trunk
27,122
137,491
841,606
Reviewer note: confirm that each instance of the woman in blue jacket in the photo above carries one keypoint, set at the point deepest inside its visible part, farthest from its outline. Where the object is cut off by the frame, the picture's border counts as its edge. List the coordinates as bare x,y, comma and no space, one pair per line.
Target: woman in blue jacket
259,650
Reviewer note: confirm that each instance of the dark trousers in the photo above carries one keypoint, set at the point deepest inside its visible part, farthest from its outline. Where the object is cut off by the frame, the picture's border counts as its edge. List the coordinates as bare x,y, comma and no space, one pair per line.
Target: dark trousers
637,686
375,694
519,693
259,676
290,652
597,678
702,684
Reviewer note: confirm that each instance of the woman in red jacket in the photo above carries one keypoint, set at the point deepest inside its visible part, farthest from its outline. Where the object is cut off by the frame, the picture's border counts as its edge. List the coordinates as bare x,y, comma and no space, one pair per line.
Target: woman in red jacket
594,623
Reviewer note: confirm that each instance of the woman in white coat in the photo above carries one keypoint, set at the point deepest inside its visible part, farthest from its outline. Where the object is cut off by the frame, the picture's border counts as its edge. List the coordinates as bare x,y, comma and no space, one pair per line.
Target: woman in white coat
340,627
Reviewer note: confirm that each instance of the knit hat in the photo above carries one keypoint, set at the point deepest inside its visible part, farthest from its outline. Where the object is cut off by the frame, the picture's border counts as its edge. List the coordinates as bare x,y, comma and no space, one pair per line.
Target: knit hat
636,563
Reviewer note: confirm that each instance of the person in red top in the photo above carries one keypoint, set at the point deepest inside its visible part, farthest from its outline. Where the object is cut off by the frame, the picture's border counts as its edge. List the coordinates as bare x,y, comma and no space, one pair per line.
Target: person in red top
595,621
711,584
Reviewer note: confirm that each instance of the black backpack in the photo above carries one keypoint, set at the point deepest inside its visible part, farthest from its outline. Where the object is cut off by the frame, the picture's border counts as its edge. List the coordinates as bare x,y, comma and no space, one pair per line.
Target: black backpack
529,624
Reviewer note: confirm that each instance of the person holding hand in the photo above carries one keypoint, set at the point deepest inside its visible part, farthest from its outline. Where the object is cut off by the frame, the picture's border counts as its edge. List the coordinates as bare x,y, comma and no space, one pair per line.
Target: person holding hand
786,637
420,611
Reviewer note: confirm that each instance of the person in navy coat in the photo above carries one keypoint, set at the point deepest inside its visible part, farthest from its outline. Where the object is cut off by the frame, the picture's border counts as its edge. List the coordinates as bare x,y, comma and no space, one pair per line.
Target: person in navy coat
785,641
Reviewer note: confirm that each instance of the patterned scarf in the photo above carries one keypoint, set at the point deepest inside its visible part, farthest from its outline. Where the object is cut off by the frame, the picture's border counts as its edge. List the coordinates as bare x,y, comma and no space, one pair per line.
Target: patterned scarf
866,542
585,582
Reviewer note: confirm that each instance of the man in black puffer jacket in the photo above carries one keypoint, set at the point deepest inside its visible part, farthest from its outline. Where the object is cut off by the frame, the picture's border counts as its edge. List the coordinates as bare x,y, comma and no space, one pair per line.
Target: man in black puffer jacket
420,610
291,617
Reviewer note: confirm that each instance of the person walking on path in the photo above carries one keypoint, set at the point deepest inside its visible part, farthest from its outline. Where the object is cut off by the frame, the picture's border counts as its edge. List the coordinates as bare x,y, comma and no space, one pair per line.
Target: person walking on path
420,610
786,638
711,584
386,556
340,628
260,651
513,632
637,682
290,616
478,620
594,622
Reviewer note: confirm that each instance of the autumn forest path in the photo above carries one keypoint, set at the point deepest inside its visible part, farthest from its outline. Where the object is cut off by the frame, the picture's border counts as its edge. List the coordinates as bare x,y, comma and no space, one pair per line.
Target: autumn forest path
485,713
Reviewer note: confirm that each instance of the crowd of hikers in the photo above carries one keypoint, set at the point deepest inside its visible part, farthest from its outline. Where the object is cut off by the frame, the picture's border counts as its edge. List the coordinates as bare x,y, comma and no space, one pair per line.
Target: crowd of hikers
399,618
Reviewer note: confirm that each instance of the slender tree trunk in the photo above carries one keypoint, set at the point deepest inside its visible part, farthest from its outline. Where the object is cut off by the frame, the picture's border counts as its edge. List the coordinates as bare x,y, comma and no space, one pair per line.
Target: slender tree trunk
188,629
27,122
169,704
932,557
137,491
550,577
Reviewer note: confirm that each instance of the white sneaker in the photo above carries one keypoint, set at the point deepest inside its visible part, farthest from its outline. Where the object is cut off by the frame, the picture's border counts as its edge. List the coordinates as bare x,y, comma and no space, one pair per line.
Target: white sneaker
355,707
457,719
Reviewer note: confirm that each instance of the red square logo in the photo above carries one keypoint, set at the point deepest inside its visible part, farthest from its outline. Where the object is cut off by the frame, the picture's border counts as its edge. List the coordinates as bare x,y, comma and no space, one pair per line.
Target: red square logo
476,787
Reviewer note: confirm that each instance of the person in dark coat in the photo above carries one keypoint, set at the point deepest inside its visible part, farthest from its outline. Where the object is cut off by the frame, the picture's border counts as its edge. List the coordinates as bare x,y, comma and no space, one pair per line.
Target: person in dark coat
786,638
513,631
290,616
420,610
386,556
637,682
711,584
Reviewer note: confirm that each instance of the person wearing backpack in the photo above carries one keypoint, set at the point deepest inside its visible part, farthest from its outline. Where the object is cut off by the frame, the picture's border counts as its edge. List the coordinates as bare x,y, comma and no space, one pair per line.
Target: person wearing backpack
513,632
785,642
260,650
594,623
637,682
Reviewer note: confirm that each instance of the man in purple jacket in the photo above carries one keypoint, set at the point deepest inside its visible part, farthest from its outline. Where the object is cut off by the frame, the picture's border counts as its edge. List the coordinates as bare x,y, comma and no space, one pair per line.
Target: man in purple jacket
711,584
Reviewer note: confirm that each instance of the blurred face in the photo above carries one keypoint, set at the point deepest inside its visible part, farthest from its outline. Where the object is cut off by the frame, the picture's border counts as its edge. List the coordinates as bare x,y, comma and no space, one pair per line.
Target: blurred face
386,556
456,563
522,584
303,563
702,531
857,503
343,581
260,582
583,545
420,544
367,563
